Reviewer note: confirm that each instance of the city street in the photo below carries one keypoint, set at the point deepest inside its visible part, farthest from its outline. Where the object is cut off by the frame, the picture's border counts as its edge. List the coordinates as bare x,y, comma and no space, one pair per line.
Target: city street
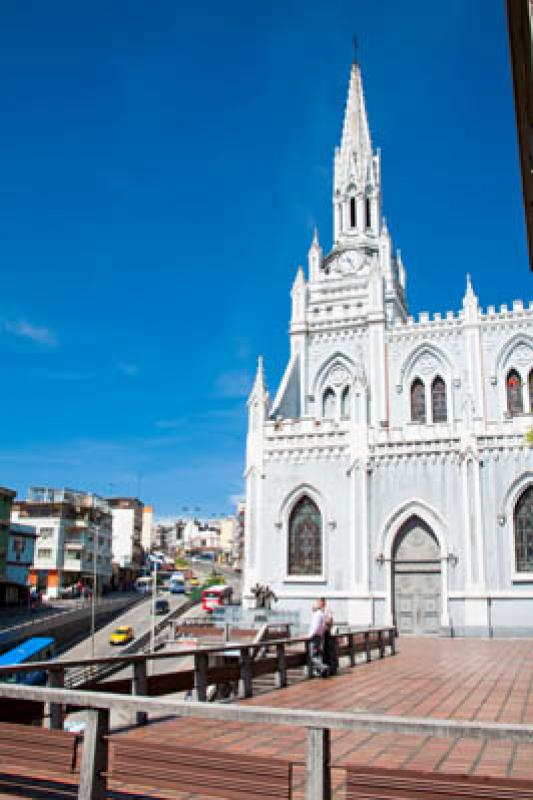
139,617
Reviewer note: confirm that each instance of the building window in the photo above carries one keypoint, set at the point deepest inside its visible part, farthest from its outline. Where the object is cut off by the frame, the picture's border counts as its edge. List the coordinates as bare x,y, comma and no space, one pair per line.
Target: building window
46,533
530,382
19,546
515,402
418,401
438,400
44,553
523,531
353,215
345,403
368,213
328,404
305,539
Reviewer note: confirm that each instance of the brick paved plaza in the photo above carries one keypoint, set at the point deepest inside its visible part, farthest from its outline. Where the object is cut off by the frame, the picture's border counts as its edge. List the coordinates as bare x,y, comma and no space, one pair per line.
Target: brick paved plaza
460,679
489,681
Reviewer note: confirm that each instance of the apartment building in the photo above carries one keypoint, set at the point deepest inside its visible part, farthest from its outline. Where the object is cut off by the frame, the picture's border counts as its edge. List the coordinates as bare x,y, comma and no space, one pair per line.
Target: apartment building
147,534
127,523
16,554
73,538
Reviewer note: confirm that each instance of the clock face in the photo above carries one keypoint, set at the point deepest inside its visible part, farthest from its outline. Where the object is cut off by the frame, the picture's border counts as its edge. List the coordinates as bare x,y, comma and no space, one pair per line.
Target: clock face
349,261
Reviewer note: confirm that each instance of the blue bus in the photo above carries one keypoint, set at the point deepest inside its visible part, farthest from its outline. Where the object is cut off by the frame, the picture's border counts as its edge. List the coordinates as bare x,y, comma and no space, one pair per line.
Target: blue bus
38,648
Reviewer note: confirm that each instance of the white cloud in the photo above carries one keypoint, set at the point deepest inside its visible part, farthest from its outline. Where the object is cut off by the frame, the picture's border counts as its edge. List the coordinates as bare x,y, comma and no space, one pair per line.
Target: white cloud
131,370
234,383
35,333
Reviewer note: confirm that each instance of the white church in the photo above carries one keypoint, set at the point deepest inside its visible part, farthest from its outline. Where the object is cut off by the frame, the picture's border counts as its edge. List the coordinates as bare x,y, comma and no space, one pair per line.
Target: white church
391,473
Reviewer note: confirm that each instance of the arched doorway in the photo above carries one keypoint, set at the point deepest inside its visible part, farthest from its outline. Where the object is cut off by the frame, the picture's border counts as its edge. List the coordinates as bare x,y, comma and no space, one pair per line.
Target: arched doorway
416,577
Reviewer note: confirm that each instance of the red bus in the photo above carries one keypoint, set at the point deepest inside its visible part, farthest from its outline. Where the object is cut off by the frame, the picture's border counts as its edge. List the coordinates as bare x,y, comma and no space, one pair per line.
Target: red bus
216,597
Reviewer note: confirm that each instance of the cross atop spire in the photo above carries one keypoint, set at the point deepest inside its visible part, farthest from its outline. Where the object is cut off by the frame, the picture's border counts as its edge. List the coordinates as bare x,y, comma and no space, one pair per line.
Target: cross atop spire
354,49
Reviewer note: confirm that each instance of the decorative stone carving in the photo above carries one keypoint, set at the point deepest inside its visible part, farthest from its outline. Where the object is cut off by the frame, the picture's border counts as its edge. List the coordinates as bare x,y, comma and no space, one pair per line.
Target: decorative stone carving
522,355
427,364
338,375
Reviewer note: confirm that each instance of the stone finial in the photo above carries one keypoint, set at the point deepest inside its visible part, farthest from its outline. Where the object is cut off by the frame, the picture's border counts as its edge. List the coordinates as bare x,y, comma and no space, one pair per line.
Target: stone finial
470,301
470,296
259,389
299,280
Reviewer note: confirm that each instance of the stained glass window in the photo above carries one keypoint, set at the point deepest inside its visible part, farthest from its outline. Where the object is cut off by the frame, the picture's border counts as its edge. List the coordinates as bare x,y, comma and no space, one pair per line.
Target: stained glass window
523,531
328,404
368,213
345,403
438,400
305,539
418,401
531,392
515,402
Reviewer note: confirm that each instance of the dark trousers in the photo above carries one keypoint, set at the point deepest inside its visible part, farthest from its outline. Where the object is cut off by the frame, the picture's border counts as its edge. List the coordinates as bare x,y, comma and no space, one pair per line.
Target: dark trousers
319,668
329,654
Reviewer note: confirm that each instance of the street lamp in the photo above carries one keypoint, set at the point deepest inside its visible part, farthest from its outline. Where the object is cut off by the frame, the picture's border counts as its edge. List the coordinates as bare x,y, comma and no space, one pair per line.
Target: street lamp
93,606
154,591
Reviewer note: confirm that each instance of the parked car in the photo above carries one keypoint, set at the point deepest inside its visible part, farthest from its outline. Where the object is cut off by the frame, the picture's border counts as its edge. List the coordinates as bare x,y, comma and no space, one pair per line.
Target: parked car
177,584
162,606
68,592
122,635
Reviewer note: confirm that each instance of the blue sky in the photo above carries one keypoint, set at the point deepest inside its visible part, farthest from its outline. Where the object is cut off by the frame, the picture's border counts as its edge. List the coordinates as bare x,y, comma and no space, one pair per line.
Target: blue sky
162,166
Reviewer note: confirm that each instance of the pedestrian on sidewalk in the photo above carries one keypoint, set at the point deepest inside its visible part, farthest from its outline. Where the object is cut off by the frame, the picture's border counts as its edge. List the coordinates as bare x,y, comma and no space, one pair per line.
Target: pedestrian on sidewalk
316,635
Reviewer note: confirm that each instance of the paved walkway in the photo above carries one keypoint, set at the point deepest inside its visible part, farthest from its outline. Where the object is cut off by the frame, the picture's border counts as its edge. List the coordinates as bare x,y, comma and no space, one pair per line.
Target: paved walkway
460,679
489,681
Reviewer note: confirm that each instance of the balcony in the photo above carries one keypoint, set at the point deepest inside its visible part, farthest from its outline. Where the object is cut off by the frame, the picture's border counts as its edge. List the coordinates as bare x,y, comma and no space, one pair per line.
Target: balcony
73,544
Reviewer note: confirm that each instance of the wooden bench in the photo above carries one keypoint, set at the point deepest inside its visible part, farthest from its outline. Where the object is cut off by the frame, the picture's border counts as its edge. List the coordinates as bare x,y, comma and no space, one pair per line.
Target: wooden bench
388,784
31,747
226,775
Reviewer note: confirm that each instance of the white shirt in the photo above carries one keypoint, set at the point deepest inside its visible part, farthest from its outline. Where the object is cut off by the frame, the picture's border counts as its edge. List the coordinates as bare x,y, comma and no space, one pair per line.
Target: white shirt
318,623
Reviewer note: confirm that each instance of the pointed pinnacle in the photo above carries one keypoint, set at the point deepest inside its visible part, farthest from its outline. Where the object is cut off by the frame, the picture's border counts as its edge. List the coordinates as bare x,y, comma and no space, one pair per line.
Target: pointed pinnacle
470,295
356,132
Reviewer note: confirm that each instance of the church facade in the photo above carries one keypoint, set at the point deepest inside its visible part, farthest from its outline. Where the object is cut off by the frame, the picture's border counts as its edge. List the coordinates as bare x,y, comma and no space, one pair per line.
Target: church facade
391,472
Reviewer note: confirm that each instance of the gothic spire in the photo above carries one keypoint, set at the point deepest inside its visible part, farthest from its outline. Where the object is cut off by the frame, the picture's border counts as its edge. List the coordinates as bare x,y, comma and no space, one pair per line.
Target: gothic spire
259,389
355,132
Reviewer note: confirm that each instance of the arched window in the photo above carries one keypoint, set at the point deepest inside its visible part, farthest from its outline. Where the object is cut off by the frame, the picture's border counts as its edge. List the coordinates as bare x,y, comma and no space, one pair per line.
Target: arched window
515,402
418,401
438,400
523,531
530,382
345,403
305,539
368,213
328,404
353,213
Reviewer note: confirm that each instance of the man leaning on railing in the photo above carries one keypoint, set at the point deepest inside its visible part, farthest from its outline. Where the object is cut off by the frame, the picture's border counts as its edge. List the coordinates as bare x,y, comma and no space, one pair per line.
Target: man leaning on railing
317,629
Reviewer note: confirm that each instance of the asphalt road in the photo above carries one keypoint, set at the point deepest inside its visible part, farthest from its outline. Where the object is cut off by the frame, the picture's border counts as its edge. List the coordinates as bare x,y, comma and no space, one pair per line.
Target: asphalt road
139,617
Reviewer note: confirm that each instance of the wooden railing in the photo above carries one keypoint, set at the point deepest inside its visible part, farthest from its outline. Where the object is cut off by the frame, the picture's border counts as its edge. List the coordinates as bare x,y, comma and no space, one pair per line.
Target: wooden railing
318,725
239,666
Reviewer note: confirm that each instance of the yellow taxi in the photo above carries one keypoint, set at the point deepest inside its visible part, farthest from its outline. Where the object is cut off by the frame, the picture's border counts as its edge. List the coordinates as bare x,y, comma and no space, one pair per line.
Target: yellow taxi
122,635
193,581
